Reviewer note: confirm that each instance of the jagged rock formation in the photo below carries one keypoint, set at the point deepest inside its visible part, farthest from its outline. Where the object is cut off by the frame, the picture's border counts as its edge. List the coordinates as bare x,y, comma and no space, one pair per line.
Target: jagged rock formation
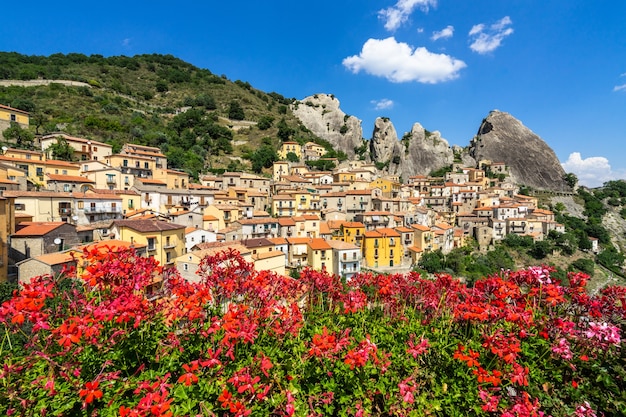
531,162
418,153
322,116
500,138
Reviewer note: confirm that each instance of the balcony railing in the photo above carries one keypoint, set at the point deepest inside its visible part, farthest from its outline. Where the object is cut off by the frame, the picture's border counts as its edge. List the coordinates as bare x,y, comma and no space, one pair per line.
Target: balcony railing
93,210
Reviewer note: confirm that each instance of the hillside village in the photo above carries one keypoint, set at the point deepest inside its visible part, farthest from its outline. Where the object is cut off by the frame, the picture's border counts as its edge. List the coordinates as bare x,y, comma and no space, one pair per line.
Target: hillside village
345,220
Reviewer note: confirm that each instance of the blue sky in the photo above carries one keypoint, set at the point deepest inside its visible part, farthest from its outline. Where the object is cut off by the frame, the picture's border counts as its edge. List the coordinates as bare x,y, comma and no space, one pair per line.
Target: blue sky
559,66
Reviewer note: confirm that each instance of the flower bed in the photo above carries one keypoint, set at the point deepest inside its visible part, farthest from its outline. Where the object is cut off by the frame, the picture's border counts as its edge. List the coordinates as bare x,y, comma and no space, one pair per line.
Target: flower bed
242,343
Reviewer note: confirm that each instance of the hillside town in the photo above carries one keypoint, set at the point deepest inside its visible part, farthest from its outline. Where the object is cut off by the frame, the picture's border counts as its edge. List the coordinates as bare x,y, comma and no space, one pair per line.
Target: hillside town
347,220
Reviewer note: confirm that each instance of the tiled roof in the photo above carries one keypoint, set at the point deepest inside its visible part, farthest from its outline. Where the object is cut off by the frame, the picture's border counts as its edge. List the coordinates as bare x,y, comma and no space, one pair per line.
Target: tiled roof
145,226
341,245
68,178
319,244
37,228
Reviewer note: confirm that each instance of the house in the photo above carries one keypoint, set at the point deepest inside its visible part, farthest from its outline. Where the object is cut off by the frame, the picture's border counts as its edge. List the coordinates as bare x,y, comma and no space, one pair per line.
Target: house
38,238
92,208
68,183
258,227
346,259
382,248
84,149
319,255
270,261
195,235
10,115
44,206
106,177
174,180
165,241
290,147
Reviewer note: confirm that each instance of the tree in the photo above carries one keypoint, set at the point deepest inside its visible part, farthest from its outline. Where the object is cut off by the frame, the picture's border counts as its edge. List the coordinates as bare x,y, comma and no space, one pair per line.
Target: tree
292,157
61,150
284,131
431,262
235,111
23,138
541,249
570,179
264,157
265,122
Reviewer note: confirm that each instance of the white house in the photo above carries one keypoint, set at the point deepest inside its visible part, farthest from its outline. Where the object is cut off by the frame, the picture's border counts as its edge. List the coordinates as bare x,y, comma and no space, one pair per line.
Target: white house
195,235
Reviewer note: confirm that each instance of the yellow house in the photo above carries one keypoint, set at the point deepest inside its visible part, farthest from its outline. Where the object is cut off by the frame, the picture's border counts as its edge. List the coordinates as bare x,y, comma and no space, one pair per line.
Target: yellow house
165,241
10,115
382,248
175,180
284,205
319,254
226,214
138,165
423,237
290,147
307,225
352,232
388,187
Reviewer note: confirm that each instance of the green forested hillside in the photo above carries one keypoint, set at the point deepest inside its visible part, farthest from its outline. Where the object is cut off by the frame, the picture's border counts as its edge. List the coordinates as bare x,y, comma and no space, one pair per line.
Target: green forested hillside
200,120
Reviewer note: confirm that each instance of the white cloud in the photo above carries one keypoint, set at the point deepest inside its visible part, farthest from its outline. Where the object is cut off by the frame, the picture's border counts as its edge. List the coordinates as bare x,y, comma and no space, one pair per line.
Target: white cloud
620,87
399,62
591,172
420,30
487,39
382,104
126,42
444,33
395,16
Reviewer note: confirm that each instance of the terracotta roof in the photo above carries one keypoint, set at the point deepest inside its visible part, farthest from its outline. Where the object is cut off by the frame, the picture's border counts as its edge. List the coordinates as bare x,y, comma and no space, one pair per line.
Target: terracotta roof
420,227
341,245
324,229
278,240
37,228
208,218
56,258
2,106
145,226
68,178
266,255
259,220
56,162
388,232
403,229
319,244
286,221
149,181
298,240
74,139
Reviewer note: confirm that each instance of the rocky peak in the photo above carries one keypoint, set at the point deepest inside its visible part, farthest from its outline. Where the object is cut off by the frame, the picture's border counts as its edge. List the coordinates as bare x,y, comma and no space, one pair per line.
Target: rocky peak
503,138
321,114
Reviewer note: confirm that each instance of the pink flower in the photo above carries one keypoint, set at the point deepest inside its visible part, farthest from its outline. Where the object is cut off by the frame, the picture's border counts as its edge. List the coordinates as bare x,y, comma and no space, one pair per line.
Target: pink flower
562,349
585,410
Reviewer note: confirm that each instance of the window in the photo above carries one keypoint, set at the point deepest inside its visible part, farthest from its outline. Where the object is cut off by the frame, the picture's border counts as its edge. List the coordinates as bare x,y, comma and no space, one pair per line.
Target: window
81,204
168,257
95,149
64,172
13,119
146,165
66,188
151,243
185,267
125,162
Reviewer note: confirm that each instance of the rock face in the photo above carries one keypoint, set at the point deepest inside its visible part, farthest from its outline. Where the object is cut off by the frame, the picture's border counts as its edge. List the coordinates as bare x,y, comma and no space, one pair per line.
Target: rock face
531,162
322,116
418,153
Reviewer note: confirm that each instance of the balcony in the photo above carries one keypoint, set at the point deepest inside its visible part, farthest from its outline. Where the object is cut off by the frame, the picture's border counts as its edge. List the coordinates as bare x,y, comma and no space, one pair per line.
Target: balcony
111,180
102,209
65,210
169,245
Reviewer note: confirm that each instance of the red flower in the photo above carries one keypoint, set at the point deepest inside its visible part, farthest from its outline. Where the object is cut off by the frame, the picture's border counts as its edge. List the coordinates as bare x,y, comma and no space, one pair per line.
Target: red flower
90,392
189,377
